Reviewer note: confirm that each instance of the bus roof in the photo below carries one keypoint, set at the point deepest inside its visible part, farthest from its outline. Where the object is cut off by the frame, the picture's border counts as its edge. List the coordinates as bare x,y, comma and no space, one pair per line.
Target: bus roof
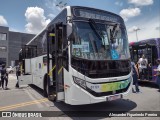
152,41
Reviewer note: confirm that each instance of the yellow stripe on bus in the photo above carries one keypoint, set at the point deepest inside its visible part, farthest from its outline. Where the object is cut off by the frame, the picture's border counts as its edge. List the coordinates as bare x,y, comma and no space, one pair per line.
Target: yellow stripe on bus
60,70
51,34
50,72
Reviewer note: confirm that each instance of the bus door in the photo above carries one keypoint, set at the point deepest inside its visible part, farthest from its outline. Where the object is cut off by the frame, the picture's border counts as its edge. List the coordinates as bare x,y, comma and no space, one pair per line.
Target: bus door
137,52
150,52
150,59
57,60
154,57
151,55
28,52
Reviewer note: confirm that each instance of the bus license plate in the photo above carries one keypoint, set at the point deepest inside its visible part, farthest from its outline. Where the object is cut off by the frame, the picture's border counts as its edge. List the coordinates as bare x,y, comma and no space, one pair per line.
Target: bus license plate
113,97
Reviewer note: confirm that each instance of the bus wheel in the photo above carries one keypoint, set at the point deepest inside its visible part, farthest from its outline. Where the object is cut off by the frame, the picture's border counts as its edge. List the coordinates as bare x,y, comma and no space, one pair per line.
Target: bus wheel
45,87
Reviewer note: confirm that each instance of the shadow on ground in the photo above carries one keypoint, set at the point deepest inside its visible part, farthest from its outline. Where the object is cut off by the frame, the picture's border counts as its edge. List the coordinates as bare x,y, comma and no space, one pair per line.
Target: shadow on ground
99,110
148,84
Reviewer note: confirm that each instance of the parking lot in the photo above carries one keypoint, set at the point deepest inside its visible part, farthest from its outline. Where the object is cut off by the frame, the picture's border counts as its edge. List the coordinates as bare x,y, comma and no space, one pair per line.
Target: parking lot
30,98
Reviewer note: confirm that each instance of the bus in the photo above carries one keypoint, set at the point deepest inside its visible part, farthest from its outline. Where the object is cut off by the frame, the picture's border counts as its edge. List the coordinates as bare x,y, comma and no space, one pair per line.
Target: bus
81,57
151,49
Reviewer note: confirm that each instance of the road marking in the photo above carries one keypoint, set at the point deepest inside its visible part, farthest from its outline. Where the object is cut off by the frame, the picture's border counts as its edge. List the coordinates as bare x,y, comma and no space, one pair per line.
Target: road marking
33,98
23,104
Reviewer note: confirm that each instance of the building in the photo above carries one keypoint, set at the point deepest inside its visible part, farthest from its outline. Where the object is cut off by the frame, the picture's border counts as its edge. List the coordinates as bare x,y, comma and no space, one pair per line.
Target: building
10,45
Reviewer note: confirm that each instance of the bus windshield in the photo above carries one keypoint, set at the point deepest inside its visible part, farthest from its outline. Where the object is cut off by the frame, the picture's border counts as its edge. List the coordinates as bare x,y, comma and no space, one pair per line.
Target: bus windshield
97,41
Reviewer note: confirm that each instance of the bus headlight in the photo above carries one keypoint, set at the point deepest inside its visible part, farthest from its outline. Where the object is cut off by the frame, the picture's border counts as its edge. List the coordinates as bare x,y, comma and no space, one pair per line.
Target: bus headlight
79,82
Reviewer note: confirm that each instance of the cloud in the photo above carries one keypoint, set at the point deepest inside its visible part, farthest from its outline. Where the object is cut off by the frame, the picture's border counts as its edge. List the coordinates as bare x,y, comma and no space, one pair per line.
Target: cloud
147,30
3,21
51,4
51,15
141,2
16,30
129,13
119,3
52,8
157,28
36,20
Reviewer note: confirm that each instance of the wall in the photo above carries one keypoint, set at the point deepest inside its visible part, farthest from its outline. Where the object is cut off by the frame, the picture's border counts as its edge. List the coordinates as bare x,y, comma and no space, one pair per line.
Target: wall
4,43
14,42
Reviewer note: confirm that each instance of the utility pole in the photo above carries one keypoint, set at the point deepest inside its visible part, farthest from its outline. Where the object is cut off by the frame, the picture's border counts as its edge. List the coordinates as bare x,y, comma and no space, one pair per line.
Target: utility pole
136,32
61,4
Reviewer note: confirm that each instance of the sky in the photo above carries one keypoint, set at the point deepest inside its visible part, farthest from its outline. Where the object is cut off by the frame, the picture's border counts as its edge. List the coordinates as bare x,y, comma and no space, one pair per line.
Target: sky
31,16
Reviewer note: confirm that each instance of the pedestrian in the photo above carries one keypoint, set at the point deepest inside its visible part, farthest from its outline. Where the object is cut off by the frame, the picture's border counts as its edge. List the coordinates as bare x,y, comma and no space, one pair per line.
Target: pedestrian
158,73
142,65
17,74
4,77
135,76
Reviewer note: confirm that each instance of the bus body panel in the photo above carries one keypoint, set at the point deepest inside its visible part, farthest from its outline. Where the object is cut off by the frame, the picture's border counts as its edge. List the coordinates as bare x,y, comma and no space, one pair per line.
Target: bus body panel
28,65
25,80
66,82
38,70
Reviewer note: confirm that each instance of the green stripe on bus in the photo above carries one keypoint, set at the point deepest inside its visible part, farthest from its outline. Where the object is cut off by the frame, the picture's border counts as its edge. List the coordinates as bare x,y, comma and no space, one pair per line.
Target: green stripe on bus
114,86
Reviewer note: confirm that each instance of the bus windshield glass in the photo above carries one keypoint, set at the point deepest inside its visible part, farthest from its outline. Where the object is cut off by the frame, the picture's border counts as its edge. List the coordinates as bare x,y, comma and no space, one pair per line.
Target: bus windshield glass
97,41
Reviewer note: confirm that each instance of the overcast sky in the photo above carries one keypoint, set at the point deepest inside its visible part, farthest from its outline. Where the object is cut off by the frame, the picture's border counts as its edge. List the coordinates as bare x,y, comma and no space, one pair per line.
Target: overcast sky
32,16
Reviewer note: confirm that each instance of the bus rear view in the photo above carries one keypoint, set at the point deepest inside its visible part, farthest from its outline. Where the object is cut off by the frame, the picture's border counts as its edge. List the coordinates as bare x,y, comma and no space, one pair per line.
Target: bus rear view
88,59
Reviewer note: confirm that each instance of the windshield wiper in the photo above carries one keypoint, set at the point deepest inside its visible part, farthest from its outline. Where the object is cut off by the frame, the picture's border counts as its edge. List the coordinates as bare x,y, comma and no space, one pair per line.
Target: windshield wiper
97,30
113,33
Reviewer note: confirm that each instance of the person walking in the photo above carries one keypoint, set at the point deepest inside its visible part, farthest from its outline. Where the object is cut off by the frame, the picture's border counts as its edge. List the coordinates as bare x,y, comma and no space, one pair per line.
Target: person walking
142,64
135,76
17,74
4,77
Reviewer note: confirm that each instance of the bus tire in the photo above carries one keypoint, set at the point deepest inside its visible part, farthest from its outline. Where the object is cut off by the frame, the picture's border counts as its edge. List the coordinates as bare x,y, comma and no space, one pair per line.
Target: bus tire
45,82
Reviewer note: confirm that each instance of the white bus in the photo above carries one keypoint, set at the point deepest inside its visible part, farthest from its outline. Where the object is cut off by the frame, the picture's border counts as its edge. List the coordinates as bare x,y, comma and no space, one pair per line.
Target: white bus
81,57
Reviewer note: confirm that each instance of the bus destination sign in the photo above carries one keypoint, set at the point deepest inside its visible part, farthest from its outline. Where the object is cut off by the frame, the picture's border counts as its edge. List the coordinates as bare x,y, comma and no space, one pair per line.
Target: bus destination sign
99,15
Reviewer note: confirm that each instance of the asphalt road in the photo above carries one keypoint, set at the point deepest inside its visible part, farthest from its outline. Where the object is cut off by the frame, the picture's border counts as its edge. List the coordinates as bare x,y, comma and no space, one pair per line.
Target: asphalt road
30,98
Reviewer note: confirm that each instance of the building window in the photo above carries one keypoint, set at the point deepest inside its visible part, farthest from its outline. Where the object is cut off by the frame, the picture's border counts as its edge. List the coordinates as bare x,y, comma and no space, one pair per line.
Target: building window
3,36
3,49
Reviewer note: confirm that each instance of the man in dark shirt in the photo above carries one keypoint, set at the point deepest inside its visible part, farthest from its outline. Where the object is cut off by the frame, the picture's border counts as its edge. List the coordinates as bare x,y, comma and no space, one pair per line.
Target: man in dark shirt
135,75
4,77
